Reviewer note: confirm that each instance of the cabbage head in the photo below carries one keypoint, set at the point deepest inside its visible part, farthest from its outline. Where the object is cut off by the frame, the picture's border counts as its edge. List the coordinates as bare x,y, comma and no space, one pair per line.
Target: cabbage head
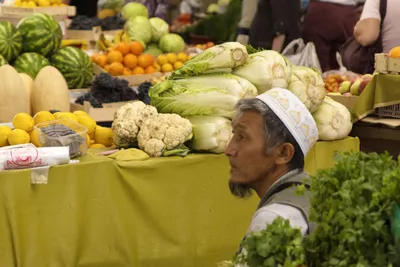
132,10
139,29
153,49
172,43
159,28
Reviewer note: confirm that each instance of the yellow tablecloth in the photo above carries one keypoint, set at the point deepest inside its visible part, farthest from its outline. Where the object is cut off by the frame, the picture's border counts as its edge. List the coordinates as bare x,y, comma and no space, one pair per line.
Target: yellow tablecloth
101,213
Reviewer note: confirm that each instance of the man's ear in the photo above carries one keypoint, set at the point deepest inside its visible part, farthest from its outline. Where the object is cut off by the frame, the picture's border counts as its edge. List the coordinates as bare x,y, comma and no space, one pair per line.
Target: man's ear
285,153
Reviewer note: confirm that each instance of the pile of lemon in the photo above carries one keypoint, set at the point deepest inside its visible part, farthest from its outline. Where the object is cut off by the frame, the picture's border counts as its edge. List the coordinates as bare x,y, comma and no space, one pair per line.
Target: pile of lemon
38,3
24,132
171,61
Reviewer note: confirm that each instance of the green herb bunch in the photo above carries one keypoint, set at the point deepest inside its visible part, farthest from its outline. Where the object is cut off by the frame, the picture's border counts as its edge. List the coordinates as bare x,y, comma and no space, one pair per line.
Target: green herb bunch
352,205
279,245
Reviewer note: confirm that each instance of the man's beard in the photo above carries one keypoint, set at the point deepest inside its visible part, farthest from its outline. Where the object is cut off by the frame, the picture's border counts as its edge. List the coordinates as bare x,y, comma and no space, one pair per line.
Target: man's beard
240,190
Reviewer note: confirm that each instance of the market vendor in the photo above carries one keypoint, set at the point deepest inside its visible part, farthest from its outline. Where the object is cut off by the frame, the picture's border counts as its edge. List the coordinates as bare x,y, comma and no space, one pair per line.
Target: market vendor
276,23
84,8
272,135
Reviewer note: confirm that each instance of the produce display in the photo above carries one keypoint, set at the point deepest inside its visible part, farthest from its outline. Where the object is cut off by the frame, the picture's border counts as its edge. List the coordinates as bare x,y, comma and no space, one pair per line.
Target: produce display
38,3
108,23
350,87
24,131
35,44
354,206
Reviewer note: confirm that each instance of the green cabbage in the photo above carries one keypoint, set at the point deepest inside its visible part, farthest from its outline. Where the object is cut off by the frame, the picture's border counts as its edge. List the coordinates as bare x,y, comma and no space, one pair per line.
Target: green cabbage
210,133
172,43
215,94
153,49
159,28
266,70
139,28
132,10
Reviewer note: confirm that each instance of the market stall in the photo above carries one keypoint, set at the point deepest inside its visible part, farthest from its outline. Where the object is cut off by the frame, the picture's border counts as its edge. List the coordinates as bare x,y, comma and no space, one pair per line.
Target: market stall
159,212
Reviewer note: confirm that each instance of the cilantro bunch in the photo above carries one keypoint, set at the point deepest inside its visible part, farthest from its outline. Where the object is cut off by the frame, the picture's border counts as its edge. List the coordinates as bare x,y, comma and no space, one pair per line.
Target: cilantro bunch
352,205
279,245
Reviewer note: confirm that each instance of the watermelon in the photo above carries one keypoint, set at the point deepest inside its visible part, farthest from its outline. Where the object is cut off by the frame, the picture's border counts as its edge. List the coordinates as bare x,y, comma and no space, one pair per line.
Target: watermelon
75,65
10,41
30,63
41,34
3,61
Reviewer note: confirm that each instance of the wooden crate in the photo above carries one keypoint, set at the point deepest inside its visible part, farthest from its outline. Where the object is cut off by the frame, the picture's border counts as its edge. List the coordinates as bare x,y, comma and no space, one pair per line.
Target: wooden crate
386,64
133,80
104,114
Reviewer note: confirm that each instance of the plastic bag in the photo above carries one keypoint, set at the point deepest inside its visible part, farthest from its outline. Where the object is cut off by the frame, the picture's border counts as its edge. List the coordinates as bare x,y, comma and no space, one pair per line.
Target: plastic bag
342,71
301,54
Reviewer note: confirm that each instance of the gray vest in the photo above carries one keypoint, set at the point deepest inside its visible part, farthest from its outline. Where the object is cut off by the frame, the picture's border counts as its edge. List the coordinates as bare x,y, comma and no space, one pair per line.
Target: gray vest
283,192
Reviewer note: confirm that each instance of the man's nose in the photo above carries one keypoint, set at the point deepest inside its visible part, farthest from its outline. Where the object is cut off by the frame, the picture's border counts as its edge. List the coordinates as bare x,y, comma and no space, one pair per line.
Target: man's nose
230,150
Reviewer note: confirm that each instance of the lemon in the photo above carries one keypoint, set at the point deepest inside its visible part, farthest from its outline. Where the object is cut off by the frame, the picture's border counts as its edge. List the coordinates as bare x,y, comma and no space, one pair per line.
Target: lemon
171,58
89,123
178,65
23,121
35,137
44,3
88,141
31,4
167,67
183,57
17,3
162,59
97,146
24,4
4,131
65,115
59,1
43,116
157,66
18,137
53,2
80,113
103,136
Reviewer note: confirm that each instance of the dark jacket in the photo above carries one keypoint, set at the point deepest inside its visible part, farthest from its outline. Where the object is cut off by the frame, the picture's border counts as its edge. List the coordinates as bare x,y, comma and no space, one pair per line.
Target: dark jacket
275,17
85,7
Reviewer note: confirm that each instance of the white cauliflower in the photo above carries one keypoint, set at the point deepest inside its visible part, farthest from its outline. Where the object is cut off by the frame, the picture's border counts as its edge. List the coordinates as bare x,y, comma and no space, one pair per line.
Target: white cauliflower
165,135
127,121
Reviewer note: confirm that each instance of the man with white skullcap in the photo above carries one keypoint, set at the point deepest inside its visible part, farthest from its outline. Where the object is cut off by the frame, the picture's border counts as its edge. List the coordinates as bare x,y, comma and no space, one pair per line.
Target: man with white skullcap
272,135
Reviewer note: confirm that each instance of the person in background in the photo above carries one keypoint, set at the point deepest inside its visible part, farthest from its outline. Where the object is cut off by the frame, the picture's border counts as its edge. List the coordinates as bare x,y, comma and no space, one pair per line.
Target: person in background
329,24
156,8
367,28
275,24
272,135
84,7
249,8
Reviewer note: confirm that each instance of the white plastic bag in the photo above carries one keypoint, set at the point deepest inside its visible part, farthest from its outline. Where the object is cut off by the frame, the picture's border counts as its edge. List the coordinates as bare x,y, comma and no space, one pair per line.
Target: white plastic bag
342,71
301,54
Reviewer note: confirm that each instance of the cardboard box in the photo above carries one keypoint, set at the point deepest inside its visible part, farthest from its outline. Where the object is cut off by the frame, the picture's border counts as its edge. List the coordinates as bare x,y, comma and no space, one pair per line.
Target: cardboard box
104,114
348,101
133,80
386,64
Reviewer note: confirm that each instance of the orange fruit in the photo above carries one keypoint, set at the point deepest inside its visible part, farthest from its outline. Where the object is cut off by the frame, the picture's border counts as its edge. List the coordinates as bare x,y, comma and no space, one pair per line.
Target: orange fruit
150,69
123,48
136,48
145,60
101,60
115,56
116,68
130,61
127,72
107,68
138,70
110,49
395,52
94,57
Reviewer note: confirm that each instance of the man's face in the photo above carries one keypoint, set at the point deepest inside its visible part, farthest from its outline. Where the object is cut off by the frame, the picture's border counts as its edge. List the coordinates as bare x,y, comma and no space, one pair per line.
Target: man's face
246,152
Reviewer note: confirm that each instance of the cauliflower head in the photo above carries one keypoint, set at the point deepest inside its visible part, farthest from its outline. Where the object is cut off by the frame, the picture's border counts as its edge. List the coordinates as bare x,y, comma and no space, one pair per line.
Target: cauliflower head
164,135
127,121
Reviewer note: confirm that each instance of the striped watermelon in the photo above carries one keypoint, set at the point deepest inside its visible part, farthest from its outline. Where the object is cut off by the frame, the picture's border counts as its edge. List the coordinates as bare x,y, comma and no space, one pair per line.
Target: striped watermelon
30,63
10,41
75,65
41,34
3,61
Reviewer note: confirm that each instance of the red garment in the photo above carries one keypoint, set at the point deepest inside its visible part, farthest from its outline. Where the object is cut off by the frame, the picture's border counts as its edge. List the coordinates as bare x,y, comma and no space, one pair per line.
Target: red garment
328,26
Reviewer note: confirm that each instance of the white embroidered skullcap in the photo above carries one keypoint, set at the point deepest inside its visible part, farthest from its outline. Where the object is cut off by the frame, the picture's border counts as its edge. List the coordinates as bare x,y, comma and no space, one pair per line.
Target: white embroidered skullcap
294,114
